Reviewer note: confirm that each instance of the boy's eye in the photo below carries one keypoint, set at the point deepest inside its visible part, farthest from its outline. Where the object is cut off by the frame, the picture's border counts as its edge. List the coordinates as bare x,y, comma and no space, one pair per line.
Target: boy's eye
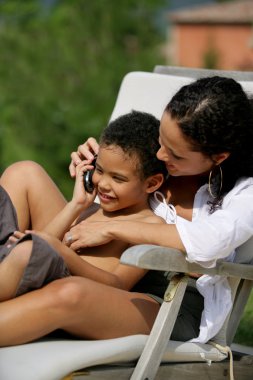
119,179
98,170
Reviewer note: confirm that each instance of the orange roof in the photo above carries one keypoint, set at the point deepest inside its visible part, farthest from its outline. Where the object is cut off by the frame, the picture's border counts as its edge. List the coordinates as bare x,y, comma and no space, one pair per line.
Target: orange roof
233,12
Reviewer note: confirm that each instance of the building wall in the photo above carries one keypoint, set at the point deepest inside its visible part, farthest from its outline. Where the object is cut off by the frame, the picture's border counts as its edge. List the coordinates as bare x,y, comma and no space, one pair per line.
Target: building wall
232,44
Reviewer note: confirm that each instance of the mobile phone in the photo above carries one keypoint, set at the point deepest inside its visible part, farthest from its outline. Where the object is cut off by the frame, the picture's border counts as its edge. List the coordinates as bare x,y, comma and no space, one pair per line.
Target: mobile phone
87,178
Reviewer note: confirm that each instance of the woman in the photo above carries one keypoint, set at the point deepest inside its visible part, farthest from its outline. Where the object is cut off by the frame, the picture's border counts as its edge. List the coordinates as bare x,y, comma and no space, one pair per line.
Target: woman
205,138
206,143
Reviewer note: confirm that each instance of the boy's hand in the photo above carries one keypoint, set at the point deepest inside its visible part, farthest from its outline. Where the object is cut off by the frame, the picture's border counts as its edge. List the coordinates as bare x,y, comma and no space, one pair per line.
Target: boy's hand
52,240
80,195
14,238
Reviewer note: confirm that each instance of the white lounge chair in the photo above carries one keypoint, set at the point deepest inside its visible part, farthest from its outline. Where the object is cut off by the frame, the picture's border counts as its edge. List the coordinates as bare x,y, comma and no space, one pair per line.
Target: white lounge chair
55,359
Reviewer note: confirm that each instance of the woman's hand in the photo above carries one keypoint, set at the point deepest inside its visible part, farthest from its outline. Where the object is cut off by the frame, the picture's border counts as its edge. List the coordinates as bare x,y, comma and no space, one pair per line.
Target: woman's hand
85,152
88,234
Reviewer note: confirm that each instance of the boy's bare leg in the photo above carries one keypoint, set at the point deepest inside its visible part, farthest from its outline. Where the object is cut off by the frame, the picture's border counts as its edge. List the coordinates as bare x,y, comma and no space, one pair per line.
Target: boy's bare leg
33,193
79,306
12,269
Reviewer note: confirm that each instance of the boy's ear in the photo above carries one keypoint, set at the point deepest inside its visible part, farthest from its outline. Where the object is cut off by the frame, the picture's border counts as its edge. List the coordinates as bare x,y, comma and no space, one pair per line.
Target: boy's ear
154,182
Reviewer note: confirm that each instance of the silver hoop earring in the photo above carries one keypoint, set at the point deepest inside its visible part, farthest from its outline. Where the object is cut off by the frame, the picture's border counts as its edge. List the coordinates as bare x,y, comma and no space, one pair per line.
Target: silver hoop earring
210,184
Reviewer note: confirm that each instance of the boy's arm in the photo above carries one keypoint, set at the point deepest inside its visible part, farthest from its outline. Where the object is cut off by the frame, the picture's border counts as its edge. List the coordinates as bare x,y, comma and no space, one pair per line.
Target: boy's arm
63,220
122,276
81,200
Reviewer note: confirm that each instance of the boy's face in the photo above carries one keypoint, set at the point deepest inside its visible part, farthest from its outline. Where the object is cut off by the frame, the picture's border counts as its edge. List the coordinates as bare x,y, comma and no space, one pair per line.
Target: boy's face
118,182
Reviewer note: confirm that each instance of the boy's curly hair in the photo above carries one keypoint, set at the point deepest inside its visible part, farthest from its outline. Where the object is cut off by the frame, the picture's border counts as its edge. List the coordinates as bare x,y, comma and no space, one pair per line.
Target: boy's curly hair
137,134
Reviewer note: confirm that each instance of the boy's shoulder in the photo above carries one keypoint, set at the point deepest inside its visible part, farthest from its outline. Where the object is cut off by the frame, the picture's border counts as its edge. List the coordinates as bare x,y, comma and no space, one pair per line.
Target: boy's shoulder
149,217
154,219
144,216
95,212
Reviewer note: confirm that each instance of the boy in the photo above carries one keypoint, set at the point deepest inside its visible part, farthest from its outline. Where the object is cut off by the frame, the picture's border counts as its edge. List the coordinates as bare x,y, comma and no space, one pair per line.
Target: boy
126,172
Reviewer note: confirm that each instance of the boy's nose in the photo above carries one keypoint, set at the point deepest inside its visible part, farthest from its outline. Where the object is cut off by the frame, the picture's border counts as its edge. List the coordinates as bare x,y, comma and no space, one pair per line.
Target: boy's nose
104,183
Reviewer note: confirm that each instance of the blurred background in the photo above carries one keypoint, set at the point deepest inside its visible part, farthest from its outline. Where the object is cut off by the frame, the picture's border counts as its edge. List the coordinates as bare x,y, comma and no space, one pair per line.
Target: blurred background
61,65
62,62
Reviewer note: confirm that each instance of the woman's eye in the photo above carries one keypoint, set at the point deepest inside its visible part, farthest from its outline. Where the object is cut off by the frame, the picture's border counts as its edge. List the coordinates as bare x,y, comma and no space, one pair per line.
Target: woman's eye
177,157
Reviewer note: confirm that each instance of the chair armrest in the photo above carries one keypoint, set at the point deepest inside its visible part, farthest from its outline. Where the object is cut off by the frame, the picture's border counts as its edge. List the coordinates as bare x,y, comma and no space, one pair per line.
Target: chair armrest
169,259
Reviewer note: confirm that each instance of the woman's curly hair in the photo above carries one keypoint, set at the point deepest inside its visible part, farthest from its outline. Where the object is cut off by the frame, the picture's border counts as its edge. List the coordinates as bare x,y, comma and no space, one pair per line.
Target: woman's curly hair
137,134
217,116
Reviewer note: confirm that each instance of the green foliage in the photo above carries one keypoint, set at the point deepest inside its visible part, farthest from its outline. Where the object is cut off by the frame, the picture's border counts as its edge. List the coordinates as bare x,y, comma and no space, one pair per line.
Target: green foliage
244,333
61,70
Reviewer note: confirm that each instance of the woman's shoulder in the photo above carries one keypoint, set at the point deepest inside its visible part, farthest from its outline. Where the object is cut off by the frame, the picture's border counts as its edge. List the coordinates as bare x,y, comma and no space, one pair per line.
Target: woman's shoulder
243,188
244,181
243,184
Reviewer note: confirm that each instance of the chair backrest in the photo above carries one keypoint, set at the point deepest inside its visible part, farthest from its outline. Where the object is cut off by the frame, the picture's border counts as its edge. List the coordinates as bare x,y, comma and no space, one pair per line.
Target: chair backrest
200,73
147,92
151,92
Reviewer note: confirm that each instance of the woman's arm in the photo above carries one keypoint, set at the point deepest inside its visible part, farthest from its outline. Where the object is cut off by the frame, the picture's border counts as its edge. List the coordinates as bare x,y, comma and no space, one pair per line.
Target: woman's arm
85,152
88,234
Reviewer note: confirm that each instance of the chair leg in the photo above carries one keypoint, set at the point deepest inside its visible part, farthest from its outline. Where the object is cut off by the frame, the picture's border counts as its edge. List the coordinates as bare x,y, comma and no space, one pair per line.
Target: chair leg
155,347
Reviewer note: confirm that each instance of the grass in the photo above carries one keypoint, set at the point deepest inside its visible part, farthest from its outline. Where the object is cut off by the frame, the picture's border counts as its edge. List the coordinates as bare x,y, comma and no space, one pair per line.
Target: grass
244,333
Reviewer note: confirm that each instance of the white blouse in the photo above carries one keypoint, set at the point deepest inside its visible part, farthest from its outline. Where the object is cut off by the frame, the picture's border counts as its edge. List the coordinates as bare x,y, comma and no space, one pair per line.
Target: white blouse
211,237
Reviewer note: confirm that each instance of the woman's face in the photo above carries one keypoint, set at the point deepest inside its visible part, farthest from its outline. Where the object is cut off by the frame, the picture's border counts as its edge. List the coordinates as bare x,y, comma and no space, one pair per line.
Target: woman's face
176,151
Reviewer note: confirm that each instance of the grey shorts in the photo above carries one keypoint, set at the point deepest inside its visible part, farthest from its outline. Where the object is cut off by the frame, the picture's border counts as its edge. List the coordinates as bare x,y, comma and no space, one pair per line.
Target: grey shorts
45,264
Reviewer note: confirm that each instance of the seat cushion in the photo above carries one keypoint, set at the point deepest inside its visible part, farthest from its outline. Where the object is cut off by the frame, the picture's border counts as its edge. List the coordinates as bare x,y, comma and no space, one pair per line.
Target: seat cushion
52,359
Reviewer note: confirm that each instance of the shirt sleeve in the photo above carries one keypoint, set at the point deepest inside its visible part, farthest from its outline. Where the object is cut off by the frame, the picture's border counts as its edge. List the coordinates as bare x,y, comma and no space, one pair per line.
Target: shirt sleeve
215,236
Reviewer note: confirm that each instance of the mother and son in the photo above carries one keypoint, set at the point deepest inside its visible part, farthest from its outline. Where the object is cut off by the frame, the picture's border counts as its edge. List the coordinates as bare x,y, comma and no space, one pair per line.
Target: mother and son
59,261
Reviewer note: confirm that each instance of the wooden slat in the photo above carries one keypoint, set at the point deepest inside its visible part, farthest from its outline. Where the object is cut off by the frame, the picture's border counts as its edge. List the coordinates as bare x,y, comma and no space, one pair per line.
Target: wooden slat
151,357
169,259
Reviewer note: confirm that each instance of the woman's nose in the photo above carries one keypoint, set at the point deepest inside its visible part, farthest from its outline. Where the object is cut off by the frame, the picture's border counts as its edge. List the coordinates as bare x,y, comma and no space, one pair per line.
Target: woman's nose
162,154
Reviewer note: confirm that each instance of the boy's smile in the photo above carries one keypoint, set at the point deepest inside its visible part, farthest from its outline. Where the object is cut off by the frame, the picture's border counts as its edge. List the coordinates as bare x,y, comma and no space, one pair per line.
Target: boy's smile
104,197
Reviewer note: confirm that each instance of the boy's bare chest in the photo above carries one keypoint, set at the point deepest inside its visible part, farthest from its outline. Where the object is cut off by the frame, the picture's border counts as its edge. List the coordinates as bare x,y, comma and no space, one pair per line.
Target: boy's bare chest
99,215
105,256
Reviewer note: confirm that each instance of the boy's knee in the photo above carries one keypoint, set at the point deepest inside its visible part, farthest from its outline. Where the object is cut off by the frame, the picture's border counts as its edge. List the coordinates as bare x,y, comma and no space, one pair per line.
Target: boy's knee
68,292
21,170
24,167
